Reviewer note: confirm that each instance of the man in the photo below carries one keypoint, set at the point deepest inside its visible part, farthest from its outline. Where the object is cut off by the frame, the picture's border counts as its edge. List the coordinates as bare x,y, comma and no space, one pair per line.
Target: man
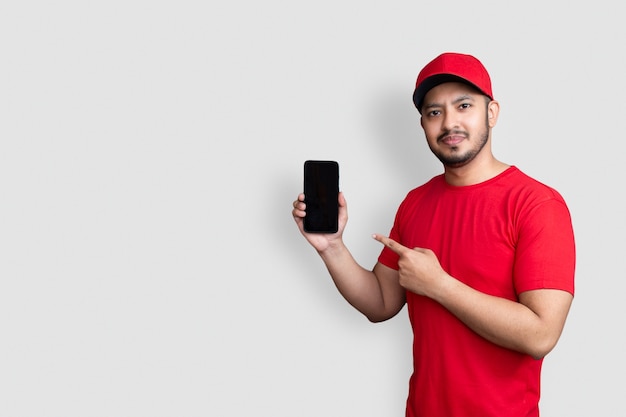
482,255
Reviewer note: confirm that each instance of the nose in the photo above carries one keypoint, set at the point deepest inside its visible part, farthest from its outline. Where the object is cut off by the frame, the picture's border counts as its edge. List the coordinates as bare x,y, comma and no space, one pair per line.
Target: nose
449,120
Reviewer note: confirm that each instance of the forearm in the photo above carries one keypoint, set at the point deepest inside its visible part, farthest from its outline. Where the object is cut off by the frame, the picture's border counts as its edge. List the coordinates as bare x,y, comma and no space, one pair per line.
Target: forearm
507,323
362,288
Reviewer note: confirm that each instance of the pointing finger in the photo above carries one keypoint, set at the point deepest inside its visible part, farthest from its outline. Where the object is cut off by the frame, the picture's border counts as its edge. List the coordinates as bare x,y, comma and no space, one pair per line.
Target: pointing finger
391,244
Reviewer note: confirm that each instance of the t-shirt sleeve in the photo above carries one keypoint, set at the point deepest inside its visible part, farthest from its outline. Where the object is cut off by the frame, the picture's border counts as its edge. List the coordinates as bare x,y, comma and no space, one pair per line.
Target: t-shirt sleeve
545,253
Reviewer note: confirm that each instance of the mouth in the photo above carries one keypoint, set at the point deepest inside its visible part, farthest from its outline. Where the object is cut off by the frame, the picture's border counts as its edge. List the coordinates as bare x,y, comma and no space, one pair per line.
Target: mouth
451,139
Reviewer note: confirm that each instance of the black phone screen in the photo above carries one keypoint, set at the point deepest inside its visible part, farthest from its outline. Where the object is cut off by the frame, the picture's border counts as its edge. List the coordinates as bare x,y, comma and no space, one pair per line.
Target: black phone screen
321,191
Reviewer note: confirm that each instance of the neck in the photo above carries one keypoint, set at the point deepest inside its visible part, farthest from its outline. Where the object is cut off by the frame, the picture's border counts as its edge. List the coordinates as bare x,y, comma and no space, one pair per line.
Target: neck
477,171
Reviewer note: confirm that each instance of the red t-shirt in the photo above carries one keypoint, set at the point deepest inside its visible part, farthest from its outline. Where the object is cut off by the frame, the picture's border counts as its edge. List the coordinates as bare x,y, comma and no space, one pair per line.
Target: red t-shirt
504,236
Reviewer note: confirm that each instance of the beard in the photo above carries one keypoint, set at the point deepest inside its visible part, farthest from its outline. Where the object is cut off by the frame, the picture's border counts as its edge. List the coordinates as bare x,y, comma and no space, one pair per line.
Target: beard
455,159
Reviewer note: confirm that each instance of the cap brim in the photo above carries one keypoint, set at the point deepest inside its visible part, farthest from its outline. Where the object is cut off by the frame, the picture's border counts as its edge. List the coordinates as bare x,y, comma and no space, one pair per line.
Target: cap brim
434,81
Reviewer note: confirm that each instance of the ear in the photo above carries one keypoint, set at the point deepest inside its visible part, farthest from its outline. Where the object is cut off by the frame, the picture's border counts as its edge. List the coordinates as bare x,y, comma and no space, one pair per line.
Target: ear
493,110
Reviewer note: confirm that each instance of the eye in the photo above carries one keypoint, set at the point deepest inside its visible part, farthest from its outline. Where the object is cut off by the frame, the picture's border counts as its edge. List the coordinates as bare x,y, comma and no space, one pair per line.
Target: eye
464,106
433,113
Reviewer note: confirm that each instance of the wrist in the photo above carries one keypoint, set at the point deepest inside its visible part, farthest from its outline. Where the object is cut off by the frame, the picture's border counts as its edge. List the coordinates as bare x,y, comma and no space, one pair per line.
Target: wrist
334,248
445,284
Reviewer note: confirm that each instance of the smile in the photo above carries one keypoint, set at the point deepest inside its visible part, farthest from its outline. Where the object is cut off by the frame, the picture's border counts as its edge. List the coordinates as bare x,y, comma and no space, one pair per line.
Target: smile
452,139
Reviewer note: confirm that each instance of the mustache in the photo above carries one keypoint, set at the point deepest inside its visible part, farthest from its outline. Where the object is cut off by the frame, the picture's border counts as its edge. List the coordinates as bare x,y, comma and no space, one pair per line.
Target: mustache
452,132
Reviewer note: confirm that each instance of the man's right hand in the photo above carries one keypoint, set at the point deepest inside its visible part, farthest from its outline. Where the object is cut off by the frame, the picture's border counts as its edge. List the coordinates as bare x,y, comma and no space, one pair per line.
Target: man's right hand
320,241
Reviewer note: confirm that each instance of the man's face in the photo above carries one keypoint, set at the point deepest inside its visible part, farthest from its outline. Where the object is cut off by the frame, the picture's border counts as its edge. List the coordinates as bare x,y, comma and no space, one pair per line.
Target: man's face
456,120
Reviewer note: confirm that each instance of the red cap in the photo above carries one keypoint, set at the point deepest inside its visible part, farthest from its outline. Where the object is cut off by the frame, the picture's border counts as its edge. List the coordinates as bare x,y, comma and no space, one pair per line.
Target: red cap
448,67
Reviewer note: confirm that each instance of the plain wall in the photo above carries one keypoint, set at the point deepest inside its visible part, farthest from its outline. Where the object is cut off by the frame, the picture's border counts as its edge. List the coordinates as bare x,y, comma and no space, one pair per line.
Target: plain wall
149,155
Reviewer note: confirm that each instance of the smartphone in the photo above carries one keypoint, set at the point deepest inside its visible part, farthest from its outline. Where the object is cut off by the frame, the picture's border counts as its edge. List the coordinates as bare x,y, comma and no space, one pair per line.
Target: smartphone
321,192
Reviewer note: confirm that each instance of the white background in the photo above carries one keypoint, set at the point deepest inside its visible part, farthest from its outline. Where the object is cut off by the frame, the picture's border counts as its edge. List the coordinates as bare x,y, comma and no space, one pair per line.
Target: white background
149,155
